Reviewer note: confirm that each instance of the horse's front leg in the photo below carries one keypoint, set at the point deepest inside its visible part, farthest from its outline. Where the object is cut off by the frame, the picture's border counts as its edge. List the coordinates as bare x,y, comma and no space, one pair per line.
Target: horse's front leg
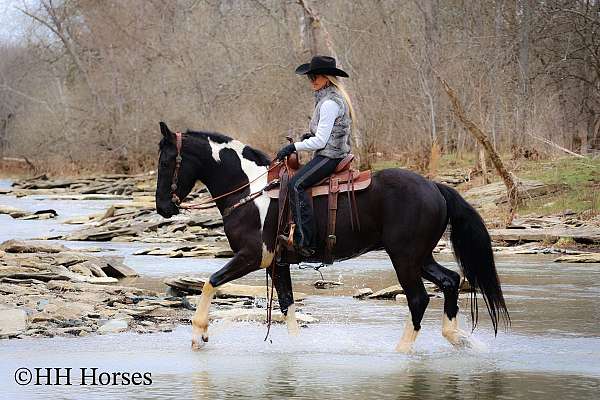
241,264
285,295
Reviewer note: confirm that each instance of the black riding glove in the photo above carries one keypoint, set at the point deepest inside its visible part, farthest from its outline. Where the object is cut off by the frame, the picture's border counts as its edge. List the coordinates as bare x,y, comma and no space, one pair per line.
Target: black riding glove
307,135
285,151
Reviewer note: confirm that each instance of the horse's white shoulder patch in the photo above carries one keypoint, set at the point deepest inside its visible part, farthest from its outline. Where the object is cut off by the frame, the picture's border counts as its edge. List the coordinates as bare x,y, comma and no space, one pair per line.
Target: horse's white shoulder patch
252,171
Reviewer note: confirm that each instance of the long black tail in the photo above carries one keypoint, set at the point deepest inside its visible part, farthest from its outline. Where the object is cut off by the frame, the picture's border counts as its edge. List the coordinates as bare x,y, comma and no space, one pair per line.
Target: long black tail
473,251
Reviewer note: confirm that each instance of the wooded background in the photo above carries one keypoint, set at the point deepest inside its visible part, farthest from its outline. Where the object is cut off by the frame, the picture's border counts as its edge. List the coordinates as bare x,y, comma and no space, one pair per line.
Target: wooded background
87,81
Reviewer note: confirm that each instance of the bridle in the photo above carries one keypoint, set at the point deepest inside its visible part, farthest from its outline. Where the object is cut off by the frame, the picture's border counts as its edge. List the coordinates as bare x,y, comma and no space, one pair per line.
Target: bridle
178,142
175,180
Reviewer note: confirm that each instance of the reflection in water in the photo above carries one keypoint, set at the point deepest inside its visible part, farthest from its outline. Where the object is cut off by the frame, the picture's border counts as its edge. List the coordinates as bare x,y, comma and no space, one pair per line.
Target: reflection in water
399,385
328,360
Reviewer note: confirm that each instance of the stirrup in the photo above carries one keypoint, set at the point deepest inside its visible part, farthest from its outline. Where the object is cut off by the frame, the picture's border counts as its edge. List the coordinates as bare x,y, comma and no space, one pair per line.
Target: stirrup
288,241
305,251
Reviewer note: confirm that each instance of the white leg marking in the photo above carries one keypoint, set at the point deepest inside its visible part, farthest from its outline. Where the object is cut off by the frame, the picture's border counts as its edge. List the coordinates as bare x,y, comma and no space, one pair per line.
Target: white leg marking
408,337
290,321
453,334
200,319
267,257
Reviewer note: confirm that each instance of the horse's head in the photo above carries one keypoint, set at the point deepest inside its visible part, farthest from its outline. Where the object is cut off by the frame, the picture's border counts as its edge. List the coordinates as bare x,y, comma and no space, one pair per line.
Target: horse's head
176,178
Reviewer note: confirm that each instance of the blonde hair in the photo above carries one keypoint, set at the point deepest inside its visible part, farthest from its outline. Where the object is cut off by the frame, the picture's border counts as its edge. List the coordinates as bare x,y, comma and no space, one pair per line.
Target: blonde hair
335,82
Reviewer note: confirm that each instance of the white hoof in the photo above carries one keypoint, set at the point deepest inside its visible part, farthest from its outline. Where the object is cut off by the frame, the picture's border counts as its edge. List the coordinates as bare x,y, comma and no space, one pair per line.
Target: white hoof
293,330
199,341
459,339
405,348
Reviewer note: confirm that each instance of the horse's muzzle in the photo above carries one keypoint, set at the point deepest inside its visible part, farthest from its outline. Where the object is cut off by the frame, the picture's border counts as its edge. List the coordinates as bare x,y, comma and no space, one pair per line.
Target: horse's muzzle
167,211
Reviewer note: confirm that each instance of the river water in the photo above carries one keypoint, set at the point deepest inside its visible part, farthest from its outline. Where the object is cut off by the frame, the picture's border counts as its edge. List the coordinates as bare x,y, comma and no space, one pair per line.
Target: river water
552,349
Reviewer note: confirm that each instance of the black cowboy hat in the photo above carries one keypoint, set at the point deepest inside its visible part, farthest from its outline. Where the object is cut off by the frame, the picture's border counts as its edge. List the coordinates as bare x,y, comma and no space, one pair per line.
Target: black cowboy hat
321,65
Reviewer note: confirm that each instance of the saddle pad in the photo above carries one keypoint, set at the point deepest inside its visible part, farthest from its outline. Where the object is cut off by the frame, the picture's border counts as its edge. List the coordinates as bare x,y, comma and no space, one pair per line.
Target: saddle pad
361,182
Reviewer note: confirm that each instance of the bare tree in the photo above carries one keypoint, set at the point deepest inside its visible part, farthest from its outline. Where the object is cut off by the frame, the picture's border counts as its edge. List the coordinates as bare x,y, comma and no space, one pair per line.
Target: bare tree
94,77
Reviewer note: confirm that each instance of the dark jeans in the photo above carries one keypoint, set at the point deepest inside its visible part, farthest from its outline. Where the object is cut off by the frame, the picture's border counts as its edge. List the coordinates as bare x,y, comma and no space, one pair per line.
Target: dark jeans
314,171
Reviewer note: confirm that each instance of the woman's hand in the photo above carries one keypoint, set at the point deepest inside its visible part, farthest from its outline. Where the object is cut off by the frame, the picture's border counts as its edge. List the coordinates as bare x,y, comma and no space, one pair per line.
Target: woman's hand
285,151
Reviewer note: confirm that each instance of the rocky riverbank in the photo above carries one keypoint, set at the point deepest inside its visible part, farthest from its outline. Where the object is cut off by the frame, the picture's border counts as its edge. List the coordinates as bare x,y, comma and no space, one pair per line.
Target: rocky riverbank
50,290
116,186
200,232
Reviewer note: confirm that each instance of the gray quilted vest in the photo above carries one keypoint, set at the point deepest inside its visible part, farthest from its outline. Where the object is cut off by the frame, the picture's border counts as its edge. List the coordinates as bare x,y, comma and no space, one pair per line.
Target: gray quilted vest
338,145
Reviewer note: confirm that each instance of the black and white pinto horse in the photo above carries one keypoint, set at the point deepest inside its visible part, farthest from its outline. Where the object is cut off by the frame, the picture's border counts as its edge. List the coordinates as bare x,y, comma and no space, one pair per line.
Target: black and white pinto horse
400,212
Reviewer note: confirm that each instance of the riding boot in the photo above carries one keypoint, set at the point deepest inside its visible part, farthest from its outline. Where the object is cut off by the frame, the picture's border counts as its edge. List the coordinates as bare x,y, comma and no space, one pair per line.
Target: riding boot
304,235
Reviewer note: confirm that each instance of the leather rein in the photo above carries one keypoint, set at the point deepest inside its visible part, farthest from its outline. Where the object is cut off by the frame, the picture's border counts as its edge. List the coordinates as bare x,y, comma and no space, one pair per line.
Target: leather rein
174,182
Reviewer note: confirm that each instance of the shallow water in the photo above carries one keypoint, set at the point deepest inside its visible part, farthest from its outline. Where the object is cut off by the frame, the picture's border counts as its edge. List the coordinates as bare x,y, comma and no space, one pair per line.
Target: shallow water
552,348
66,209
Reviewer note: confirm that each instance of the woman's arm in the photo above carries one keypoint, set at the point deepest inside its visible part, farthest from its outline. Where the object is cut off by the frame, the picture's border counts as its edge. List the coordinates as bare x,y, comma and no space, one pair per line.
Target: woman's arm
327,114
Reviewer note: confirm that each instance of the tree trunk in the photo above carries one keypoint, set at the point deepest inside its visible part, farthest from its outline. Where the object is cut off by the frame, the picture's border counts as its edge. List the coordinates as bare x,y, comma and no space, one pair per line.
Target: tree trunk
482,138
483,164
524,41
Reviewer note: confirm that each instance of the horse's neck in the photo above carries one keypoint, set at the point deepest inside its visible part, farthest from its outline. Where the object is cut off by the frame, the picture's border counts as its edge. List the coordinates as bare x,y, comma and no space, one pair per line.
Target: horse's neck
233,181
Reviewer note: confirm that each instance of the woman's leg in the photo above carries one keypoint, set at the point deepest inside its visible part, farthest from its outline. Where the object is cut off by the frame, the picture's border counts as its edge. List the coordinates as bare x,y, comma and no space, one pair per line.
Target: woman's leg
314,171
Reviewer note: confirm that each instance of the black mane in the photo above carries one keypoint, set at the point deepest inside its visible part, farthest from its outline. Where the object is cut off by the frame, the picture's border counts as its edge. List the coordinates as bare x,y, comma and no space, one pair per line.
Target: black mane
214,136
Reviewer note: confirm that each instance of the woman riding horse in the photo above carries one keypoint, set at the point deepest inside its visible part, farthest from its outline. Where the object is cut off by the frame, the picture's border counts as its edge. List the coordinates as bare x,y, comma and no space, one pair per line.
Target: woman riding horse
400,212
329,137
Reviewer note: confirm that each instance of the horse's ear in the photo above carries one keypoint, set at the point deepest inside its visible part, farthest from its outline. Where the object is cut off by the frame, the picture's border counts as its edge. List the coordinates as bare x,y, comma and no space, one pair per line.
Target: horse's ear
164,129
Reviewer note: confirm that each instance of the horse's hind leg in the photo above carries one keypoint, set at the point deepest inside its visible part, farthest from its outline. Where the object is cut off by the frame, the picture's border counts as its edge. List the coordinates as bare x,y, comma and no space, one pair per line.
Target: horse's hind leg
409,276
285,296
449,282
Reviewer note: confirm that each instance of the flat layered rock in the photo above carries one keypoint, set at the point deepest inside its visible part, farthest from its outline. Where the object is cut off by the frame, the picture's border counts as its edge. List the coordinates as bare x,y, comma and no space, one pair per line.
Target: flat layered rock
100,235
494,194
387,293
228,290
236,290
587,235
28,261
27,215
13,321
139,222
102,187
115,268
17,246
12,211
579,258
200,250
362,293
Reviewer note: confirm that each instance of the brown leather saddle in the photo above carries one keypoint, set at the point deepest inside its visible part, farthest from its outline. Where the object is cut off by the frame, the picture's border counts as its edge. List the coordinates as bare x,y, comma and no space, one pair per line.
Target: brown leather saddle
345,179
